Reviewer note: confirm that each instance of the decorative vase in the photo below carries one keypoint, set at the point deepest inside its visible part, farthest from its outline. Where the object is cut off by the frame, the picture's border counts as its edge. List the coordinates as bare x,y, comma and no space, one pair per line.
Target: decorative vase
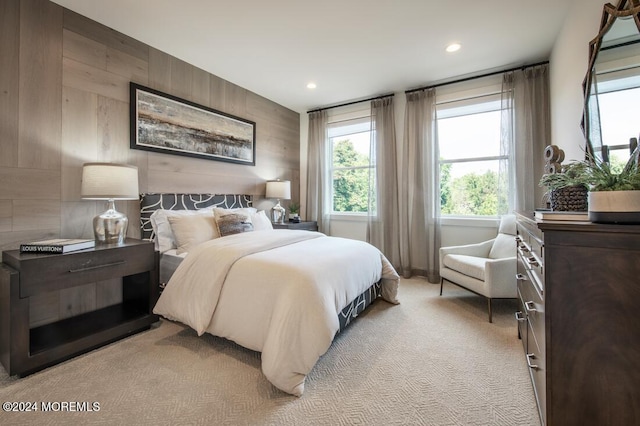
614,206
569,199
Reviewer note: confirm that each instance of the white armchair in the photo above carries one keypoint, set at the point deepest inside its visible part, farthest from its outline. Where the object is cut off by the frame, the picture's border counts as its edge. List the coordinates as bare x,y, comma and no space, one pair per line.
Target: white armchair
488,268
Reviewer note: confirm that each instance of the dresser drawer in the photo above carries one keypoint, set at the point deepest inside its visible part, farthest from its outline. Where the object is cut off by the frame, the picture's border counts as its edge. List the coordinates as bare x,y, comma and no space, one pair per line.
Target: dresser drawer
43,273
530,251
537,369
521,317
533,305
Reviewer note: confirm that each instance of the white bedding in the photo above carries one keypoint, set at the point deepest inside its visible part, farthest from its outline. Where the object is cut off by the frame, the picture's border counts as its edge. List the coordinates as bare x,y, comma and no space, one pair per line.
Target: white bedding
277,292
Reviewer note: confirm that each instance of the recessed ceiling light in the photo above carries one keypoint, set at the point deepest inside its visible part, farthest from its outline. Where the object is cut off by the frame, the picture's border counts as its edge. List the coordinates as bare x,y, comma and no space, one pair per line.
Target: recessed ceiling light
311,85
453,47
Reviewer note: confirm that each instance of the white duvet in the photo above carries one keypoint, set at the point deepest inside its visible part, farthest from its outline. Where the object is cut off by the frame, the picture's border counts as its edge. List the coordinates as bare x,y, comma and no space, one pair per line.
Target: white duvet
277,292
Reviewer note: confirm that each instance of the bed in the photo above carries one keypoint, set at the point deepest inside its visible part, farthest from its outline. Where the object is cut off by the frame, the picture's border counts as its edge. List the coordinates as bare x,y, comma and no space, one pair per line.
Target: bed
284,293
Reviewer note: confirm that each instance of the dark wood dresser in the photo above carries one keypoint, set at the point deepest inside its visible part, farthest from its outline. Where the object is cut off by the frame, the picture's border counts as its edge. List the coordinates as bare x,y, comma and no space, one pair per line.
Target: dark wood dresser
579,294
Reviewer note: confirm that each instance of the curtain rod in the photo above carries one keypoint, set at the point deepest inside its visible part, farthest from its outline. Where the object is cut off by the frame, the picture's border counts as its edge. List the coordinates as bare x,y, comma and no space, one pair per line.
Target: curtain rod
350,103
477,76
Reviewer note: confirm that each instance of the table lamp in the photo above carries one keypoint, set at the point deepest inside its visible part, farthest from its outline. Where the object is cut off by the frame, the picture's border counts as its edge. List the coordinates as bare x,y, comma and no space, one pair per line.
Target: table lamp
280,190
109,181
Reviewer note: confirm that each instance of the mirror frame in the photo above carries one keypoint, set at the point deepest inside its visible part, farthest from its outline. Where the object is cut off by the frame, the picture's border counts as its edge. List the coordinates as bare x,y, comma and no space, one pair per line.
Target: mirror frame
609,15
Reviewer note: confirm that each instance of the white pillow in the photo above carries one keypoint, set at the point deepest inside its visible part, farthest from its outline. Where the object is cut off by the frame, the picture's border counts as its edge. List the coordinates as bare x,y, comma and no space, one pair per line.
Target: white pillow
503,246
162,228
191,230
261,222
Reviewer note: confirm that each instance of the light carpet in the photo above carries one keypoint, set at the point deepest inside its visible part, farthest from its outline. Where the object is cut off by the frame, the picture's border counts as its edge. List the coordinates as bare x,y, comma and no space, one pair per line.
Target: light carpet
429,361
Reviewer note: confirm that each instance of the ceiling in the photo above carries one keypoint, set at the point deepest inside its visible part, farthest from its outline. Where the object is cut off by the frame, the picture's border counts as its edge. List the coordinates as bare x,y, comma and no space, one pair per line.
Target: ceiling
352,49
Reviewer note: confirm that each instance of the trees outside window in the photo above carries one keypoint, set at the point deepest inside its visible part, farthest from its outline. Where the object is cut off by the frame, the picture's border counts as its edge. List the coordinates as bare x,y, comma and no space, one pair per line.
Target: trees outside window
619,110
350,167
469,145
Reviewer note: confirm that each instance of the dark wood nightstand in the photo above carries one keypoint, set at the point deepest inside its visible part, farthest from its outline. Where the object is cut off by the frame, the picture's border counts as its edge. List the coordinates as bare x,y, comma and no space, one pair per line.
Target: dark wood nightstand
307,226
23,275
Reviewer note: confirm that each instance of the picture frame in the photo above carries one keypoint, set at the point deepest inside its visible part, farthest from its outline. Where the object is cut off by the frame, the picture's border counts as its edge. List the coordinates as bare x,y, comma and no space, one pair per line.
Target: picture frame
167,124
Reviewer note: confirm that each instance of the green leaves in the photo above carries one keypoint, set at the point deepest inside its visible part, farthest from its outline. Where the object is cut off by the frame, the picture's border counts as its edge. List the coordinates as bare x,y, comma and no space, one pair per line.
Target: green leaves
601,177
294,207
596,175
470,194
573,174
350,179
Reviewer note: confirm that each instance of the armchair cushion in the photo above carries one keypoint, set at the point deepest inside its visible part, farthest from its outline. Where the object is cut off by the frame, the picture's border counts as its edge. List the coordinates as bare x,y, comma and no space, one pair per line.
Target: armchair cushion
478,249
470,266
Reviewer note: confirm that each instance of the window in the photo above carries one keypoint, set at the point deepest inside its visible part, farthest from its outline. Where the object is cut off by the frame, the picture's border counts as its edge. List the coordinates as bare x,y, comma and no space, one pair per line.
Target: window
349,142
618,82
618,93
469,145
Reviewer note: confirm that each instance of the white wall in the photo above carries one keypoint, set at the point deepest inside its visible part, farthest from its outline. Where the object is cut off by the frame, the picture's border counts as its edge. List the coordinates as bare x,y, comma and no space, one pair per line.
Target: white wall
568,66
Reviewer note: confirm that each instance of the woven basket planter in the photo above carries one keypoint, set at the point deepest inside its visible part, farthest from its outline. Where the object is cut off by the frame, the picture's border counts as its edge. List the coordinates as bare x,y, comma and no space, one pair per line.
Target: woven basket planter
569,199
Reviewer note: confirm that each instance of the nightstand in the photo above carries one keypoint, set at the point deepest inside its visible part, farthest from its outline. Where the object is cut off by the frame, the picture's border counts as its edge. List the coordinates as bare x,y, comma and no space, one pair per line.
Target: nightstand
25,350
307,226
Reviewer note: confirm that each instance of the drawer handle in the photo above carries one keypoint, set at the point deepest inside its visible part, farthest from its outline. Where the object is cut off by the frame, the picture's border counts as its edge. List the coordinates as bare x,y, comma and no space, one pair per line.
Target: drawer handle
521,277
533,261
106,265
529,358
520,316
530,306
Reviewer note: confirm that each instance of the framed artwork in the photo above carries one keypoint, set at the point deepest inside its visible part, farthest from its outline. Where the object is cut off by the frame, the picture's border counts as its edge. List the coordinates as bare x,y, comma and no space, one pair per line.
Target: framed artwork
167,124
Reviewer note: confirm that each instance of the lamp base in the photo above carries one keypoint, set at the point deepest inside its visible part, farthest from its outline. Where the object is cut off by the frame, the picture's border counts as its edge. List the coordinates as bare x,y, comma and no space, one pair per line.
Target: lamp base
110,227
277,213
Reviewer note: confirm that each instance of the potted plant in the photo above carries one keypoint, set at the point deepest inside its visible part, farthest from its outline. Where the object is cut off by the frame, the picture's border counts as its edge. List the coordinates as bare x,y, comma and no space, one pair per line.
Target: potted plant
567,190
294,212
613,197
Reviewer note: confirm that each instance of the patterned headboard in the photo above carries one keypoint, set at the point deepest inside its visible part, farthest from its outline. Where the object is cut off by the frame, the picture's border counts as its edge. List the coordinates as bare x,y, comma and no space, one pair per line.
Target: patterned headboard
151,202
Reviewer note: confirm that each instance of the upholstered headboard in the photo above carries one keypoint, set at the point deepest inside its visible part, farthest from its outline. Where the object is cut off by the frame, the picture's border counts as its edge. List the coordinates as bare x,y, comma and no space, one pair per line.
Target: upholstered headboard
151,202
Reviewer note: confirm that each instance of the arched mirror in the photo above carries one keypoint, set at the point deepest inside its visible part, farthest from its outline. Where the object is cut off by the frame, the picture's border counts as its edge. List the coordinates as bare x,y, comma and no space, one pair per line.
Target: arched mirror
611,121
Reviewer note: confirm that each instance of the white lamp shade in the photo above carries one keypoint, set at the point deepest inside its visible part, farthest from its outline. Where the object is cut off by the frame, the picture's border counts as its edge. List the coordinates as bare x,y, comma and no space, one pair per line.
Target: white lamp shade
280,189
109,181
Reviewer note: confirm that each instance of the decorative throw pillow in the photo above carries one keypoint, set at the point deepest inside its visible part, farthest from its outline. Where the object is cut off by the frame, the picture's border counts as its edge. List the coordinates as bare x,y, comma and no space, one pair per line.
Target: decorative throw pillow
503,246
247,211
231,222
261,222
189,231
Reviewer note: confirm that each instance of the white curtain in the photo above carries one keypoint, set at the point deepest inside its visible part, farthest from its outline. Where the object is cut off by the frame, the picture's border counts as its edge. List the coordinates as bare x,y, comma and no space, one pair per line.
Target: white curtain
383,224
420,188
525,134
318,206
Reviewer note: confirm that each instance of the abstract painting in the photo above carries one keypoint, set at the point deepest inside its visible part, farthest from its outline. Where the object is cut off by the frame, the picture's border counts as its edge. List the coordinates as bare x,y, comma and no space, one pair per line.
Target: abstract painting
164,123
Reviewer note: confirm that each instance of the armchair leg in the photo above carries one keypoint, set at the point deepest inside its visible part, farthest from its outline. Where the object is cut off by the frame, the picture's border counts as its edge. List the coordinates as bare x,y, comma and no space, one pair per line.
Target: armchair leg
489,304
441,282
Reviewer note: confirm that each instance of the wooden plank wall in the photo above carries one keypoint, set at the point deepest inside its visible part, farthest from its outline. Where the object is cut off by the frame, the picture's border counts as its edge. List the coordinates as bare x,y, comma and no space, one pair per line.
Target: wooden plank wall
64,101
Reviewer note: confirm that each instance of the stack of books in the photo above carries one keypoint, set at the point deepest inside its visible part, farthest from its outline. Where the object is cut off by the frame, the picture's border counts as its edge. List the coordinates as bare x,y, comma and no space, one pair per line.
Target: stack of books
60,245
561,215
